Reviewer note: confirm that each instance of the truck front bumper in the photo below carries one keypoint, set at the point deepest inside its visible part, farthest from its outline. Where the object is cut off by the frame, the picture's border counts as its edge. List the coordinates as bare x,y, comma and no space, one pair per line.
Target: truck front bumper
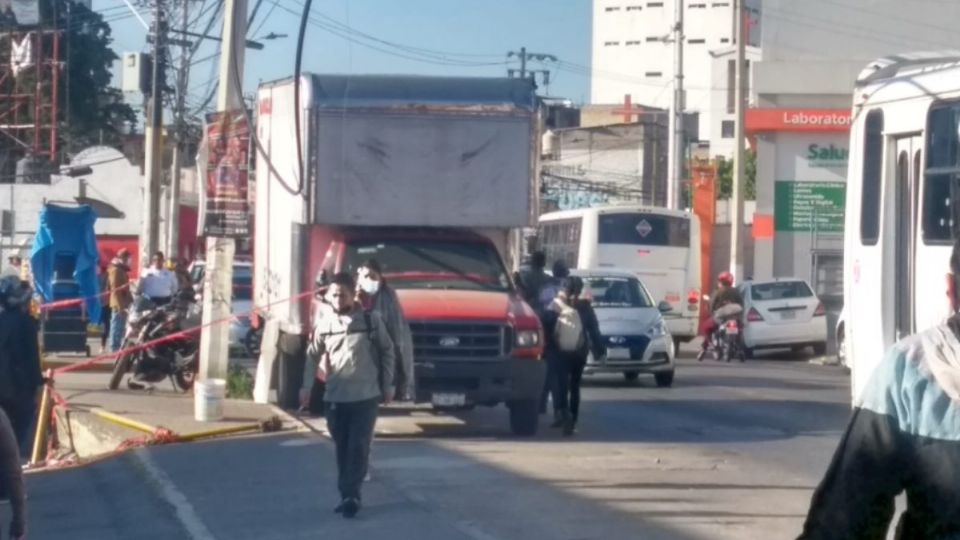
487,382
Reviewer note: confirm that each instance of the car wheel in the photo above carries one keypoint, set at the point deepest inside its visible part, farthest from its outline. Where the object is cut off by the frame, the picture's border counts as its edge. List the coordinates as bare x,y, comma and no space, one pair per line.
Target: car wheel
524,417
664,379
820,349
631,375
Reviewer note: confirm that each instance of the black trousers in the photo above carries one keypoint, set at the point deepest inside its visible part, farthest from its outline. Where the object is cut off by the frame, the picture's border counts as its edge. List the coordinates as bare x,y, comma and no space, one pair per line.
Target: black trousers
105,314
21,413
351,425
550,383
569,377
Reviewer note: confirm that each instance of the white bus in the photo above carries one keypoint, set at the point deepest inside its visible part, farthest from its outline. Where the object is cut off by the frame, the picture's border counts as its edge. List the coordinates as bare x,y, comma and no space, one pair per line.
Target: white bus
660,246
901,211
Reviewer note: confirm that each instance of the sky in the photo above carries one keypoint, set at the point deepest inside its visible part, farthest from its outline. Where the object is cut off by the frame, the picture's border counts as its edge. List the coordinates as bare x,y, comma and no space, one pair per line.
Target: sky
463,37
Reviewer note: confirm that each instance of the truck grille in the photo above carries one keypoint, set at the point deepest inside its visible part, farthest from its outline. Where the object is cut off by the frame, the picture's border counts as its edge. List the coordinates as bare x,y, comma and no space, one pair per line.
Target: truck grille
459,341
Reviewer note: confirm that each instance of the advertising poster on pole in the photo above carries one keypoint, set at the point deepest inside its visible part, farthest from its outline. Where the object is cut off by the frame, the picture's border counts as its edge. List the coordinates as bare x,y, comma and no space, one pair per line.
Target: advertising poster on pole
226,207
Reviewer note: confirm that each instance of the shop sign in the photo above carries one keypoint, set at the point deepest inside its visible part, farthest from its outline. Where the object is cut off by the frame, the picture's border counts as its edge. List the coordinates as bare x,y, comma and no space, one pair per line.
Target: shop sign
809,206
828,156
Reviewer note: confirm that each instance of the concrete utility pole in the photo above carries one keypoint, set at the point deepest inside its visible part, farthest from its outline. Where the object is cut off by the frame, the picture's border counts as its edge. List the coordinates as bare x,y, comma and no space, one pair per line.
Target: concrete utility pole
676,149
150,232
524,57
183,74
740,97
218,275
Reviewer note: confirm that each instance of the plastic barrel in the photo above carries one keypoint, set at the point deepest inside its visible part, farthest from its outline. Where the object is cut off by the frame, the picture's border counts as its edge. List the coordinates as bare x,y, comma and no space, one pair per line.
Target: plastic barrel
208,398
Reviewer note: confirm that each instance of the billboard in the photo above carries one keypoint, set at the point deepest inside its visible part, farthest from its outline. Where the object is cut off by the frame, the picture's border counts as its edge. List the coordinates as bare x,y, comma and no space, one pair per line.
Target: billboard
19,12
225,203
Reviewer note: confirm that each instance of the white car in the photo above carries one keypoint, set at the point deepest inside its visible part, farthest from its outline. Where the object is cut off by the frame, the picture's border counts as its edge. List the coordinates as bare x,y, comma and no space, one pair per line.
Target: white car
632,326
782,313
241,303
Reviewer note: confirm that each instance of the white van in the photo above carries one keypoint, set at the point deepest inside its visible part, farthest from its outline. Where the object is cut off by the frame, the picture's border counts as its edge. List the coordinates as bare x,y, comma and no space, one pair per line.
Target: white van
901,211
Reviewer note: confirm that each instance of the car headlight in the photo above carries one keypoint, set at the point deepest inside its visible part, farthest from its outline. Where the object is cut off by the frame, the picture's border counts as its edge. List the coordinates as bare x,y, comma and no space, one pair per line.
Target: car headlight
658,329
527,338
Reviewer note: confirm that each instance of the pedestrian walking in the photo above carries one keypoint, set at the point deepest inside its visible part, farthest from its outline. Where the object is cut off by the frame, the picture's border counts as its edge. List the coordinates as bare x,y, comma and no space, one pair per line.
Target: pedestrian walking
572,332
158,283
11,479
20,376
547,294
374,293
356,359
904,436
118,283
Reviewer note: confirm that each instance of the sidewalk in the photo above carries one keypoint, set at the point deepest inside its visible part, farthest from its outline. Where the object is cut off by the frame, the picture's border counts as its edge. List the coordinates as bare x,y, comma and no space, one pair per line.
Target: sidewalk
88,434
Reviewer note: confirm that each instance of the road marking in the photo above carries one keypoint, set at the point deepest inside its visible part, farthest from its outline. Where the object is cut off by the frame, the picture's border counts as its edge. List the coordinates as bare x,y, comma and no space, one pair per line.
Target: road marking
184,511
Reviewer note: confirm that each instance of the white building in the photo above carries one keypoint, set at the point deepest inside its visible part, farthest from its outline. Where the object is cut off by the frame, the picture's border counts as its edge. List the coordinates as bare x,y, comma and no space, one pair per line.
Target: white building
632,55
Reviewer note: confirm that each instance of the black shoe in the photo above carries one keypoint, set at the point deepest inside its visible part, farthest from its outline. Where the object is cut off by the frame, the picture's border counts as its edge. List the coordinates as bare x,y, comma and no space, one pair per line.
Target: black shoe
339,508
351,507
569,428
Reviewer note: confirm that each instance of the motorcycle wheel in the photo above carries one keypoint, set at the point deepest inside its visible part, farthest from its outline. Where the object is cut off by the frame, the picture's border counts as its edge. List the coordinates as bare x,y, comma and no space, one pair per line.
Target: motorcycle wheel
185,379
120,367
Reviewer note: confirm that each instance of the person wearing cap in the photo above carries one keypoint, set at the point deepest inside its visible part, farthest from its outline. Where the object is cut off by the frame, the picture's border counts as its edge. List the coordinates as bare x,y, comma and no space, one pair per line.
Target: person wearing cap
118,284
20,376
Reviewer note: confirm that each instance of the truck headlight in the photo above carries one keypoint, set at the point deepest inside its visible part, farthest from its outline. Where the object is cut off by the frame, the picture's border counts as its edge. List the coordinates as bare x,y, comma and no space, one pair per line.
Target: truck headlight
527,338
658,329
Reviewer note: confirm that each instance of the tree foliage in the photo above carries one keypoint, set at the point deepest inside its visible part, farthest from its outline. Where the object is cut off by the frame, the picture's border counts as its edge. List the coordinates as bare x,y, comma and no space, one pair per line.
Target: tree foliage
725,178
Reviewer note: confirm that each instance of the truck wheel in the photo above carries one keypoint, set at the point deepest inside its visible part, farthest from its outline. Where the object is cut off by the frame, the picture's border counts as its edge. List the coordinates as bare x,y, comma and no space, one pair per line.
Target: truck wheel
524,417
664,380
631,375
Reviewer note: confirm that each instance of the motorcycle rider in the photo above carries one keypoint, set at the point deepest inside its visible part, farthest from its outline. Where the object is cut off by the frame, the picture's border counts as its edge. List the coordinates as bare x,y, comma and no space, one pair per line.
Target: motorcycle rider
726,294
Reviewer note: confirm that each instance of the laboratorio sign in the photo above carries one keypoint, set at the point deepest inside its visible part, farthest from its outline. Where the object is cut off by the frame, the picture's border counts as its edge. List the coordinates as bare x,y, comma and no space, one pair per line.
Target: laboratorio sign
826,119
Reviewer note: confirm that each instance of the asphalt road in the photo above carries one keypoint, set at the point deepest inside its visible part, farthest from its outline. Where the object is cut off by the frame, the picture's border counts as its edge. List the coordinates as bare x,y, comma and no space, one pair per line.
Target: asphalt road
732,451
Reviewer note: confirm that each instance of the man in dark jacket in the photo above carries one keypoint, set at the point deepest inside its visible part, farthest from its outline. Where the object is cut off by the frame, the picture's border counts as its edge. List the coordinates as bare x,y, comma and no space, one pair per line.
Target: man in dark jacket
20,376
904,436
532,279
11,479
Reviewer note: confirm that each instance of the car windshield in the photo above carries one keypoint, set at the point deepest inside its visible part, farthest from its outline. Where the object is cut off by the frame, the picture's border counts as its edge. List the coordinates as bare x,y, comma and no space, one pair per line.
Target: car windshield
433,264
780,290
617,292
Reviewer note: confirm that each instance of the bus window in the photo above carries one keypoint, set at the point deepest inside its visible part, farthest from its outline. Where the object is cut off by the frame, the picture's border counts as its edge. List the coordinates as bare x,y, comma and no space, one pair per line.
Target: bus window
943,171
644,230
561,241
870,189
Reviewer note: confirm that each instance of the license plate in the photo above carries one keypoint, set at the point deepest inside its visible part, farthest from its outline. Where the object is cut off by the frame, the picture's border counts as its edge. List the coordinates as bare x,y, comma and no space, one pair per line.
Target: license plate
449,400
788,315
733,330
618,353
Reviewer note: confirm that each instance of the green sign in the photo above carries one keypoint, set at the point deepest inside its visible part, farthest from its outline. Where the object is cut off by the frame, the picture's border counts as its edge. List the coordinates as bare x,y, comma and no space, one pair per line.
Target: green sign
809,206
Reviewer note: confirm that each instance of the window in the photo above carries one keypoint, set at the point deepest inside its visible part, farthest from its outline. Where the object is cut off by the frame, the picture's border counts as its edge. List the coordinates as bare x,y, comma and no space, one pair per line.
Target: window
654,74
561,241
632,43
652,39
611,43
644,230
724,40
697,6
243,284
616,292
721,4
615,8
942,176
780,290
696,41
654,4
870,184
634,8
727,129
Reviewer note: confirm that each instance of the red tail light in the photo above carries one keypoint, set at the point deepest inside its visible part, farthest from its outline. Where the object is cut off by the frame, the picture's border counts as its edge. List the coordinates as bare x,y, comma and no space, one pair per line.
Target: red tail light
754,316
820,311
693,296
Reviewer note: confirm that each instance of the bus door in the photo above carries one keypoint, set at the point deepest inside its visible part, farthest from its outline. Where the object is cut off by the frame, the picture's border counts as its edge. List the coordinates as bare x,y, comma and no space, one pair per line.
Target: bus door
906,201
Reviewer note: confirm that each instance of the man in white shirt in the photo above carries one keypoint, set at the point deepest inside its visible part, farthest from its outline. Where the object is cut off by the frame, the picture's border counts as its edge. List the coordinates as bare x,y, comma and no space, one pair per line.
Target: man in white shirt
157,283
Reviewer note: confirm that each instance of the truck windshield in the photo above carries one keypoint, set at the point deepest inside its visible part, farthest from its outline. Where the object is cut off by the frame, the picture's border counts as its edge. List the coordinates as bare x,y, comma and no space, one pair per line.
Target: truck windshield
433,264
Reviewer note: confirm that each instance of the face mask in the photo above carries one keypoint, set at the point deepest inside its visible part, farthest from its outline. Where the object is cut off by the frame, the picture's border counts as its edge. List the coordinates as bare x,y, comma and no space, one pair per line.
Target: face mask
369,286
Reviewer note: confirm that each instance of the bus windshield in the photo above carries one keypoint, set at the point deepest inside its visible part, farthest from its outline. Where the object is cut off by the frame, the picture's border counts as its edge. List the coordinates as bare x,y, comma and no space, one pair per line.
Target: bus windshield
642,229
433,264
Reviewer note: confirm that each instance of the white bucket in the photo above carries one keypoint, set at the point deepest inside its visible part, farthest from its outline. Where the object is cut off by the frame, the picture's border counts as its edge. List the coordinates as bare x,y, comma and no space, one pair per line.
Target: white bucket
208,400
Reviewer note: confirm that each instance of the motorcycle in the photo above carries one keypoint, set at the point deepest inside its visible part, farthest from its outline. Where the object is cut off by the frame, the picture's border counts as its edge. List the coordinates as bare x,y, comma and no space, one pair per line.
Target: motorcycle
725,342
176,359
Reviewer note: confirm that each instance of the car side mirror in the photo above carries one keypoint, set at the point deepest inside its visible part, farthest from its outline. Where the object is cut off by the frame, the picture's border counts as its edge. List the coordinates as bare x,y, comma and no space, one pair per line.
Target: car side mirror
664,307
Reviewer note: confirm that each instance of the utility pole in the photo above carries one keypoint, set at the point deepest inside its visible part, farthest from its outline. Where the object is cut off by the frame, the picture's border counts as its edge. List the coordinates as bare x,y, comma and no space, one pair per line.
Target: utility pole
736,218
150,232
676,148
183,74
218,274
524,57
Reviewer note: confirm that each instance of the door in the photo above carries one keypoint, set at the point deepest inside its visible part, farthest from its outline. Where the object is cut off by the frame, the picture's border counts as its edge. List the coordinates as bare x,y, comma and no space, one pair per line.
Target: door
906,198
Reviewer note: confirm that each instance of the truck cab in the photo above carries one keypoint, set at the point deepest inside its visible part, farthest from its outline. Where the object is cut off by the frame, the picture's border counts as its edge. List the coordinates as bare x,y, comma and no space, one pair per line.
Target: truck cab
475,341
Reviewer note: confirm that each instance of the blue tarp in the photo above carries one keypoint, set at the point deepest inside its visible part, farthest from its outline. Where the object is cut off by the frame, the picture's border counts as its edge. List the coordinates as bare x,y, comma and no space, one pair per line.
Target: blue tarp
65,247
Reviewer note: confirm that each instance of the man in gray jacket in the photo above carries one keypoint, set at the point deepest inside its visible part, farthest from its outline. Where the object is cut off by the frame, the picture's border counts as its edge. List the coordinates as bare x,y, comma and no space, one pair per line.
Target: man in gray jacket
356,359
